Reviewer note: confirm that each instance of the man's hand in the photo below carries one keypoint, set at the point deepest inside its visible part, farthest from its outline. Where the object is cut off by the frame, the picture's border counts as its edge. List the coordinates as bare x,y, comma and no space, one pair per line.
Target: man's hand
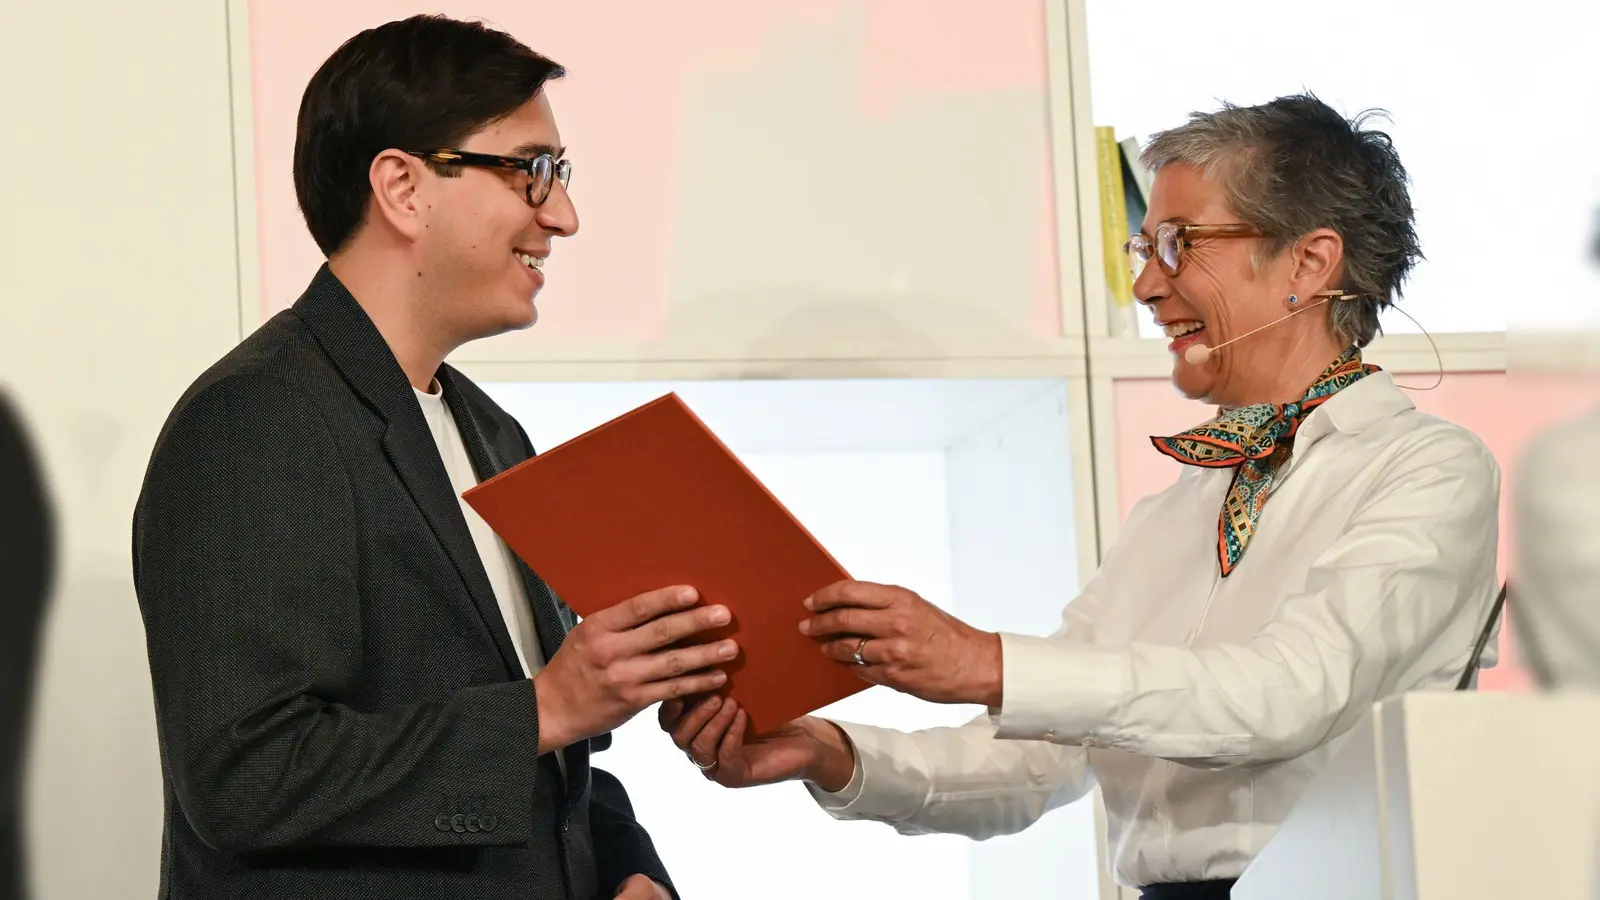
712,731
615,664
907,643
638,887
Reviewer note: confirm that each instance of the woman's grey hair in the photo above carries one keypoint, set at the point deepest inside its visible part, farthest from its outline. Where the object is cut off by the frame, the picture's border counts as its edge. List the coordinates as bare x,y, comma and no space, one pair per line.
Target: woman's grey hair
1294,165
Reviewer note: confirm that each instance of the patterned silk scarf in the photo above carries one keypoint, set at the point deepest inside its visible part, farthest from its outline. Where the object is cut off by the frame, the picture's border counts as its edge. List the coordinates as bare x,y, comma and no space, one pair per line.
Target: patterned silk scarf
1255,441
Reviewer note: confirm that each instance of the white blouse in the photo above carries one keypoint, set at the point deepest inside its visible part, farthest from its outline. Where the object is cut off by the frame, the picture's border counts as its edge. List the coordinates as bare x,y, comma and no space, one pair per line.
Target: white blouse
1202,705
1556,505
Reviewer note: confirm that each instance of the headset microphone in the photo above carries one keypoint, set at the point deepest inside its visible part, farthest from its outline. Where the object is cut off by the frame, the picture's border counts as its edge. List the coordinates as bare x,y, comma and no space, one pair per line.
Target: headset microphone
1200,354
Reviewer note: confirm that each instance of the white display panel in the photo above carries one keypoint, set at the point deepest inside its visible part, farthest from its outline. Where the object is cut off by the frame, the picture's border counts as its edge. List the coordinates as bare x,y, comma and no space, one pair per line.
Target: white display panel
960,490
1491,105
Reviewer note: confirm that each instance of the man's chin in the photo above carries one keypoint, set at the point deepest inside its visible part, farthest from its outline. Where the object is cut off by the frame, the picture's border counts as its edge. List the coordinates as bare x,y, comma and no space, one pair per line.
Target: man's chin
523,315
506,324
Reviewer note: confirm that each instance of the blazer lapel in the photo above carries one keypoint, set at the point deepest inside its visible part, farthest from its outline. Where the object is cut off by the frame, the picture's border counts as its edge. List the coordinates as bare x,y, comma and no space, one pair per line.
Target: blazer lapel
479,433
353,342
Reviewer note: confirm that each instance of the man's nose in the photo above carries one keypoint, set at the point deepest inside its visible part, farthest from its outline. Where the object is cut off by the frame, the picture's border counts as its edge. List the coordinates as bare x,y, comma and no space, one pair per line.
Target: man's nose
557,213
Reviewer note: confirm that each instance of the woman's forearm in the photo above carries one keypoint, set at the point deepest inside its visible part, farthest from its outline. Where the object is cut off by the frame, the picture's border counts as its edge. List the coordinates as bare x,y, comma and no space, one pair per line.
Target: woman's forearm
834,759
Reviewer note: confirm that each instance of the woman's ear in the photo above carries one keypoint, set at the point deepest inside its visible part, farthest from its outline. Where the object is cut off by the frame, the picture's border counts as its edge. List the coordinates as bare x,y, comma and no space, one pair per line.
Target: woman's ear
1318,262
394,179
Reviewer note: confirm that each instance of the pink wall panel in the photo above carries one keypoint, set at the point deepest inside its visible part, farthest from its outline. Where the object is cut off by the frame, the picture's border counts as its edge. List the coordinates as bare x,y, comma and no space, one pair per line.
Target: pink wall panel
632,68
634,154
917,54
1504,413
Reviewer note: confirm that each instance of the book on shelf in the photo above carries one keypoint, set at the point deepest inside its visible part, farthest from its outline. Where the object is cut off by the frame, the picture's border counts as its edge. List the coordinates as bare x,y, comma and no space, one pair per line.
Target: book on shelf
1134,174
1113,216
1124,198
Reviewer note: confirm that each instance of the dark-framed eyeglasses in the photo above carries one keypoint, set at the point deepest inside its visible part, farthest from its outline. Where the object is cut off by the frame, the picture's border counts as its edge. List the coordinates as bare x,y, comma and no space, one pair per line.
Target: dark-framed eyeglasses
542,171
1172,241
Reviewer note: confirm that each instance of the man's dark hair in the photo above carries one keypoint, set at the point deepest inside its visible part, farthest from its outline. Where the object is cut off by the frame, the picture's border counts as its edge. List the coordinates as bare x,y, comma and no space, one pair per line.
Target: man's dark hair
423,83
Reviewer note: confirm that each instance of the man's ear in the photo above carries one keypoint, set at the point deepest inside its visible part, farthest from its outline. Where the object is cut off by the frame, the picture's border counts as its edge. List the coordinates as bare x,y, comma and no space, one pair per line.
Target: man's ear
395,178
1318,262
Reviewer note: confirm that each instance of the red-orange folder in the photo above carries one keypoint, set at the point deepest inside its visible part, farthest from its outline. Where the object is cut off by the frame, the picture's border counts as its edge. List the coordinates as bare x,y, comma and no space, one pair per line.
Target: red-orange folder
654,499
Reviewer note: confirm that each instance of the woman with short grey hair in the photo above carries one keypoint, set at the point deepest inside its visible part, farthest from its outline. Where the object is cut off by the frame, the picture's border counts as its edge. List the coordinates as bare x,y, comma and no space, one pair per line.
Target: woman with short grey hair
1327,546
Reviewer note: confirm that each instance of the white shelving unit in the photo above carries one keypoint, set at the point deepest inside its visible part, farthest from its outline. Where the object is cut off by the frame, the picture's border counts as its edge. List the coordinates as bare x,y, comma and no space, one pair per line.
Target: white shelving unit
925,407
895,363
798,347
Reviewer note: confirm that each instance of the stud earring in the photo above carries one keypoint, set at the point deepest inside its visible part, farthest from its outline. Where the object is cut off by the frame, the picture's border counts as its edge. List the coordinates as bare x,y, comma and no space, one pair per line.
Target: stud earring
1293,299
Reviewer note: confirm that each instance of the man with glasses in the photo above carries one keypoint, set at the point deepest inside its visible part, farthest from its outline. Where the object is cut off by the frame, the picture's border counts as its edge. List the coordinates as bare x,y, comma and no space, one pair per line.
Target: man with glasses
360,691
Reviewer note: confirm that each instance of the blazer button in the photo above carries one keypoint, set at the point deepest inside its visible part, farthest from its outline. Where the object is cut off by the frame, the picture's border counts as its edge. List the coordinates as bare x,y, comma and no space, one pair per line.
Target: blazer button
441,822
458,823
472,823
487,822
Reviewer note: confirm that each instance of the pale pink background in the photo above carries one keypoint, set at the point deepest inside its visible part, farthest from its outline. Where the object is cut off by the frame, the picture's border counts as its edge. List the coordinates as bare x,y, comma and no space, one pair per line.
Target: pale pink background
1503,415
620,108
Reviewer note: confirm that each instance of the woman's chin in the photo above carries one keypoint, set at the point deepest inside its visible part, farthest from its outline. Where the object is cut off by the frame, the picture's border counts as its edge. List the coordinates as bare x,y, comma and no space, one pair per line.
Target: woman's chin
1192,381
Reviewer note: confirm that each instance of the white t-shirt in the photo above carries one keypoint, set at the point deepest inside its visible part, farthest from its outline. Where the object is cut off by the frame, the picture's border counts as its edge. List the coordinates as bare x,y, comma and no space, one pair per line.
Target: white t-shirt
498,561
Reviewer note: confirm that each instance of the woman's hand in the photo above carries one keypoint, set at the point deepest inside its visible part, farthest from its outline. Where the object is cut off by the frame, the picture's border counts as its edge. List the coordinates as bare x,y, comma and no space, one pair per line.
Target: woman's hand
712,731
906,643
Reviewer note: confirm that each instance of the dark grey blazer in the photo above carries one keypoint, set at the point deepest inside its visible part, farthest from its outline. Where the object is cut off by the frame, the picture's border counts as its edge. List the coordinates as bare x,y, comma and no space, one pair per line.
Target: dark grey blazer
340,710
27,546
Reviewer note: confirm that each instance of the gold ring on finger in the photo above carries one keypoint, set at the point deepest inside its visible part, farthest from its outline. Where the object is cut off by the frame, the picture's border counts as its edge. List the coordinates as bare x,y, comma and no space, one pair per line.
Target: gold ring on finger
858,659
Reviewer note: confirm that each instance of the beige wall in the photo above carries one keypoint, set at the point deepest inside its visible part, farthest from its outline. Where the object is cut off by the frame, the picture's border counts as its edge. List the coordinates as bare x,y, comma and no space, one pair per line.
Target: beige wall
119,287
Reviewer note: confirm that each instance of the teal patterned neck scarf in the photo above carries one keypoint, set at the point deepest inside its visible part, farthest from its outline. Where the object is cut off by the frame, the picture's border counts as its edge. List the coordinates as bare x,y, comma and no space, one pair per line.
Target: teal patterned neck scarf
1255,441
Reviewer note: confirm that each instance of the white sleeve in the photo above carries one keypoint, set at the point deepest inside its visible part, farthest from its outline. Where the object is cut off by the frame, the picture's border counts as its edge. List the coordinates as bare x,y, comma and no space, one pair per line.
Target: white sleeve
847,795
1556,505
1399,598
958,780
965,780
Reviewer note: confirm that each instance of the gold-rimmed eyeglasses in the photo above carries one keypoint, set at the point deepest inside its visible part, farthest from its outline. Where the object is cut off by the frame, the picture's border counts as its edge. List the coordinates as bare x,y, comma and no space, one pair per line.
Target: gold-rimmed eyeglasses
541,171
1172,241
